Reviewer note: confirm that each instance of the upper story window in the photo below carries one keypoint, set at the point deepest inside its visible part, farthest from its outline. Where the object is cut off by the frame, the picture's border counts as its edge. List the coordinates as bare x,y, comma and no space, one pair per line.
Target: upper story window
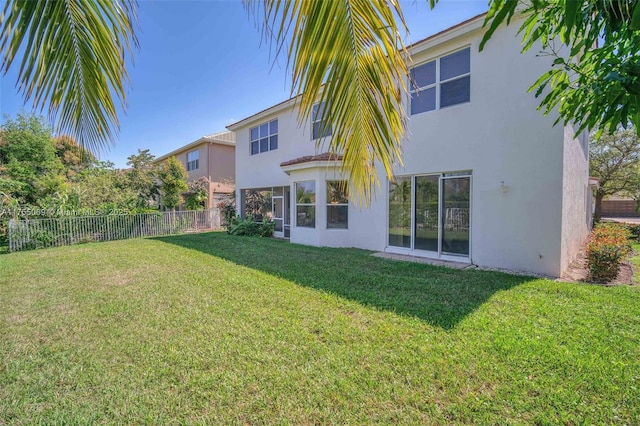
320,128
264,137
193,160
441,83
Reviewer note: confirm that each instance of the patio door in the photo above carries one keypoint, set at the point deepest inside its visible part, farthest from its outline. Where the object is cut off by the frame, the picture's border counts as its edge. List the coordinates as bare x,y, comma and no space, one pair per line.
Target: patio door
281,208
456,205
277,207
431,214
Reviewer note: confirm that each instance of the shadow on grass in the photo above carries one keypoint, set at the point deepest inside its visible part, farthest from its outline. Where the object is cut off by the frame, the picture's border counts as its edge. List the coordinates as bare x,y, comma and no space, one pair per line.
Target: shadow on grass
441,296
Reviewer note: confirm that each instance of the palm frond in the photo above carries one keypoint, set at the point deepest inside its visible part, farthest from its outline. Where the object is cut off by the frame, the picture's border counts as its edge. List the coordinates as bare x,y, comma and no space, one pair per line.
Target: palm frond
350,55
73,61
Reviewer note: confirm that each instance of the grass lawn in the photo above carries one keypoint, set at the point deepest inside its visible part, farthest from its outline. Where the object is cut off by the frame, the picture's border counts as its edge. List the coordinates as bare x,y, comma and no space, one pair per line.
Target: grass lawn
635,263
214,329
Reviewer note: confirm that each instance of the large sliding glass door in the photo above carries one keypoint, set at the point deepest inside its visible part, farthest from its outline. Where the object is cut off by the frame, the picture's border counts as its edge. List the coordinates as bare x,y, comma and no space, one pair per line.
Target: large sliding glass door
431,213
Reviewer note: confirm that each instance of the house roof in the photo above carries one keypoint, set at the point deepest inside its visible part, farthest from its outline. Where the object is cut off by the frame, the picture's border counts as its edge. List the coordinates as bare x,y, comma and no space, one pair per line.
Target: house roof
445,31
325,156
221,138
284,104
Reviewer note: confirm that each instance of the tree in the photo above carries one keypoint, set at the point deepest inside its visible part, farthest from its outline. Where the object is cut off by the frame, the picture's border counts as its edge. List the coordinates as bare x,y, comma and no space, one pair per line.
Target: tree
73,156
197,193
615,160
595,80
143,176
347,53
102,186
72,57
29,167
173,182
356,66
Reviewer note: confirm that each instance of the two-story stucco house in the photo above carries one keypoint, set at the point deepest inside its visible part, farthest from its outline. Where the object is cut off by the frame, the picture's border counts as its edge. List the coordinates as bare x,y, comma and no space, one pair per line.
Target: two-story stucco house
211,157
486,178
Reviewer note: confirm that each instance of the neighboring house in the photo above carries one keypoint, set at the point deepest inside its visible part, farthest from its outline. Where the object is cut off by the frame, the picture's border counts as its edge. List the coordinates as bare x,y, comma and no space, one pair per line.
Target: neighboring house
211,157
487,179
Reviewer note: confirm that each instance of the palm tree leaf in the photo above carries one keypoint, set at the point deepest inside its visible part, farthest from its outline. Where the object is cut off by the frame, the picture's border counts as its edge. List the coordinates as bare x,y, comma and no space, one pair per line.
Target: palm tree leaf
350,55
73,60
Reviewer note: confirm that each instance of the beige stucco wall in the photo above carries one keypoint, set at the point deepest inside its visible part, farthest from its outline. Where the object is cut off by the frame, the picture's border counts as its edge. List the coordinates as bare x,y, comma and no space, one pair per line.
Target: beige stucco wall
217,164
576,202
222,167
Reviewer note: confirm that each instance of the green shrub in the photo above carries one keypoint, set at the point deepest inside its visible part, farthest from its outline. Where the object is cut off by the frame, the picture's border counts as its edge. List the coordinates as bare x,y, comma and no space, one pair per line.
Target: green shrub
608,245
248,227
635,231
228,215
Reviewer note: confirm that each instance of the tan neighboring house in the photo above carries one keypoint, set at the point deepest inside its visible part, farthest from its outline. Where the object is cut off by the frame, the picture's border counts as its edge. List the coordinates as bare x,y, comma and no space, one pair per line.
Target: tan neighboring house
211,157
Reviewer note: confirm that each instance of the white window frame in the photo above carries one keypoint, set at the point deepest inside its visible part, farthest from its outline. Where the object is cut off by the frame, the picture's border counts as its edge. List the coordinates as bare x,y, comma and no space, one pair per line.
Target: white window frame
268,137
438,83
329,204
193,163
411,250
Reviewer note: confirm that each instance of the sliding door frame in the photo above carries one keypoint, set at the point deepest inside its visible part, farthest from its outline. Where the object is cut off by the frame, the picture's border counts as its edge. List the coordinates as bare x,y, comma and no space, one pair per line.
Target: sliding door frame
411,250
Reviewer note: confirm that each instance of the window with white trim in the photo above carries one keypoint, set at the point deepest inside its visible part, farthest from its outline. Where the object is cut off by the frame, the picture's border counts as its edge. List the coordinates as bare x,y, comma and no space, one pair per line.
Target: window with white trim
441,83
320,128
306,204
193,160
264,137
337,205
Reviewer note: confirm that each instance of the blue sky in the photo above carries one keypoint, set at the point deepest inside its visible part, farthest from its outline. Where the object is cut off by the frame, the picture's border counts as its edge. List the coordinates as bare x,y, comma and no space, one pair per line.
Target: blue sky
203,65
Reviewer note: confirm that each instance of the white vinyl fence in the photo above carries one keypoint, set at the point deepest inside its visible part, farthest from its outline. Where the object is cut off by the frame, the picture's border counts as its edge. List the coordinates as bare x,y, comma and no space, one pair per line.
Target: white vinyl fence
63,231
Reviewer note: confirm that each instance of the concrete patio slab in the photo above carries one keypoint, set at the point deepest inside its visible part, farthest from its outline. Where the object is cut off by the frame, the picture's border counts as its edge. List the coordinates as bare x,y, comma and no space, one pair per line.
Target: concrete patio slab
425,260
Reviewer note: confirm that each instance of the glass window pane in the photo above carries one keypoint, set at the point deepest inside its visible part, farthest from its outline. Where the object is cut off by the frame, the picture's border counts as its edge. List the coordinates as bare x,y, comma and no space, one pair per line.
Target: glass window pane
455,64
424,100
273,127
426,213
306,192
317,112
273,142
264,144
321,129
193,155
306,216
455,215
278,190
423,75
264,130
337,192
455,92
254,134
337,217
400,212
254,147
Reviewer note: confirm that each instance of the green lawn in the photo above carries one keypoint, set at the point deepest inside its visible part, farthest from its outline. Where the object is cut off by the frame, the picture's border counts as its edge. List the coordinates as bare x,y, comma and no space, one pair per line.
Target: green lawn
635,263
215,329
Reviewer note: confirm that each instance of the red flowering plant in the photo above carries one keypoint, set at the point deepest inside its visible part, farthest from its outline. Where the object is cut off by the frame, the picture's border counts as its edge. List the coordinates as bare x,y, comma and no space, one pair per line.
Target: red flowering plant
608,245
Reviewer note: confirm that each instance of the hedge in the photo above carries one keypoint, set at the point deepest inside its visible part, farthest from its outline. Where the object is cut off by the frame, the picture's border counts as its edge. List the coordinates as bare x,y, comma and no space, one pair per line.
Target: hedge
608,245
